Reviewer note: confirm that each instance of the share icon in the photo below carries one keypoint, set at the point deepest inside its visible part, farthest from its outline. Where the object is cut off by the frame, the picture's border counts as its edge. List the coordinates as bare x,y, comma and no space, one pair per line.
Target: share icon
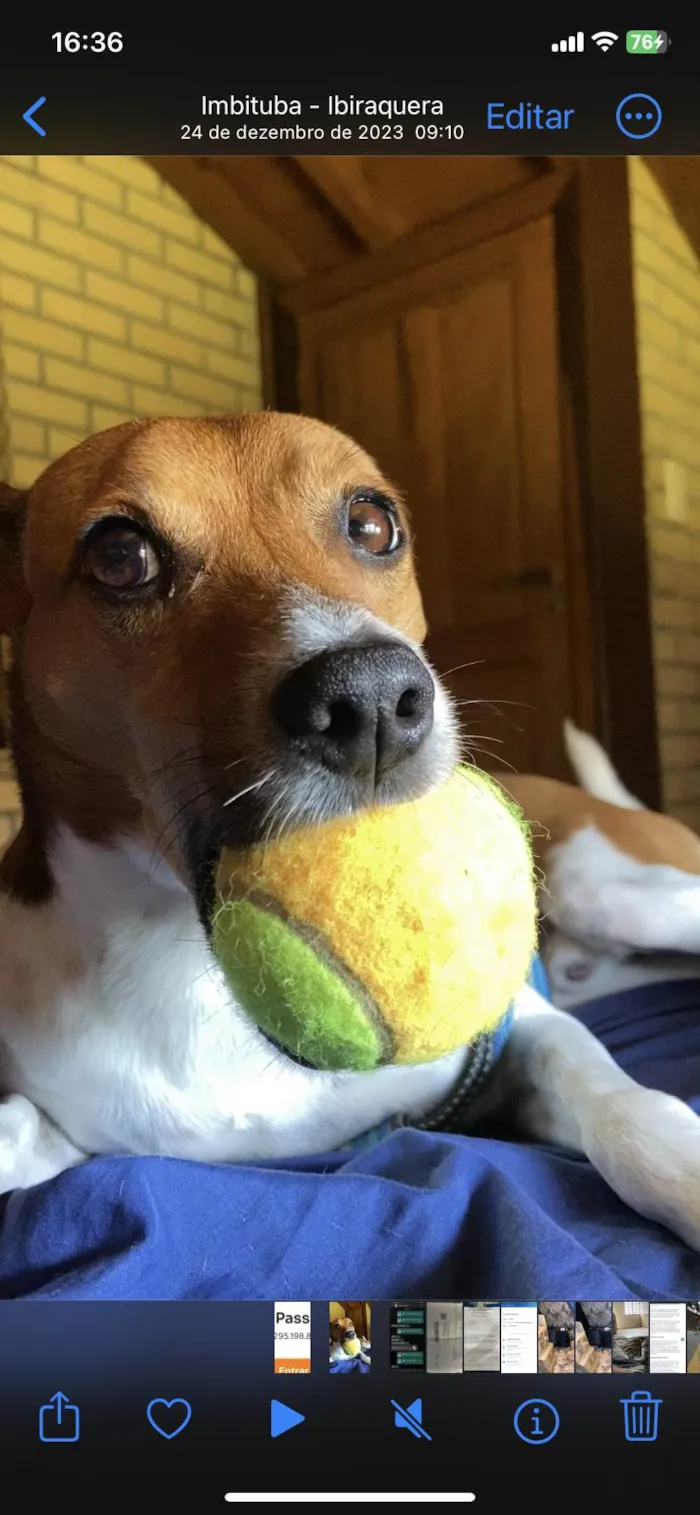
411,1419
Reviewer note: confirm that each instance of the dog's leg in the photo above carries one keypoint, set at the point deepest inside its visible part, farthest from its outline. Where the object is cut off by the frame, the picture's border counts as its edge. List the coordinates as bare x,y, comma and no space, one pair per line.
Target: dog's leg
563,1087
32,1149
609,901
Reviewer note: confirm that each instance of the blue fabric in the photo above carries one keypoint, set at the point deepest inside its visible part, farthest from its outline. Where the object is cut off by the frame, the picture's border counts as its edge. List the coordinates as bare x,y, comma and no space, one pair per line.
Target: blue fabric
417,1215
352,1366
654,1033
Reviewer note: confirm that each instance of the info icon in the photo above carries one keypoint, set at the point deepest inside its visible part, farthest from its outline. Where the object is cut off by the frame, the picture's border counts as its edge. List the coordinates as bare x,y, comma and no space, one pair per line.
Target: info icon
639,116
536,1422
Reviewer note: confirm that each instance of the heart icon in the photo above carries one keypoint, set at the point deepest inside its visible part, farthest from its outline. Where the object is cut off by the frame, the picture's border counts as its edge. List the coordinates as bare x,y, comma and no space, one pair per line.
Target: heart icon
169,1416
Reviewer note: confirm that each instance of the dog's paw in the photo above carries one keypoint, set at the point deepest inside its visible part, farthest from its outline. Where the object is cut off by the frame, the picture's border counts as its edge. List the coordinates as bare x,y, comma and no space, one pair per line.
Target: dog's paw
647,1146
32,1149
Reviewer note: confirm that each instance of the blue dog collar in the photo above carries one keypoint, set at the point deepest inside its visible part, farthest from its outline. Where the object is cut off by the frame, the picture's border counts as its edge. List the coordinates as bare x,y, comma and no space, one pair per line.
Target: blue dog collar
483,1055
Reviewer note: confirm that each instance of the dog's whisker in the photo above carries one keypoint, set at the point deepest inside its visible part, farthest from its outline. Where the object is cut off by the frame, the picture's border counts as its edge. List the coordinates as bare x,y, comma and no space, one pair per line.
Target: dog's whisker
484,736
485,753
459,667
159,853
181,760
296,807
268,824
494,704
479,746
249,789
188,796
289,814
468,718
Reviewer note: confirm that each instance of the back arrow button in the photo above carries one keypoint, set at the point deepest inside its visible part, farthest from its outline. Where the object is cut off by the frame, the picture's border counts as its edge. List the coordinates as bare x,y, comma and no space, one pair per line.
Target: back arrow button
29,116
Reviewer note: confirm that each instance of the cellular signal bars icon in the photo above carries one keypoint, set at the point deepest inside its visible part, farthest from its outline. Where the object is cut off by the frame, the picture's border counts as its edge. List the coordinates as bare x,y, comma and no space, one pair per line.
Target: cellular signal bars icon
574,44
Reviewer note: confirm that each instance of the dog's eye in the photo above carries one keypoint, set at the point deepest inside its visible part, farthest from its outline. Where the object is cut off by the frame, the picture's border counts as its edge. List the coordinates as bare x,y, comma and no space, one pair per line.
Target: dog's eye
372,524
122,557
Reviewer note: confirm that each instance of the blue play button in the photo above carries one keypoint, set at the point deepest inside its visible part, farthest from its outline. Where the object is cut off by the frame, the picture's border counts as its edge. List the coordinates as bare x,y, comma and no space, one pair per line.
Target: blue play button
282,1418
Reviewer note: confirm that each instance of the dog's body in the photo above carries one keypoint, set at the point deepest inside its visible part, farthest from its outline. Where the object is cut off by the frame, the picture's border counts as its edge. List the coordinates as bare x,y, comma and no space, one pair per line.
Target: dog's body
621,906
216,633
345,1342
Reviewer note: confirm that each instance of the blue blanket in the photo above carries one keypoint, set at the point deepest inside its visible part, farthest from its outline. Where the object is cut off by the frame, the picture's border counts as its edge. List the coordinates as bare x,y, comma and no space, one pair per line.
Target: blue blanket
416,1215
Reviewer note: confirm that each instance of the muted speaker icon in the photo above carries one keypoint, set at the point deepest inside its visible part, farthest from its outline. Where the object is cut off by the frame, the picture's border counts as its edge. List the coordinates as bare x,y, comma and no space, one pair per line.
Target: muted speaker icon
411,1419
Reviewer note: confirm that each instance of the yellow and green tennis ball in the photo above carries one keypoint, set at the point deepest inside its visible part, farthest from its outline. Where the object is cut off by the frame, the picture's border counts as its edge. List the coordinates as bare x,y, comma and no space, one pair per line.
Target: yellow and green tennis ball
394,935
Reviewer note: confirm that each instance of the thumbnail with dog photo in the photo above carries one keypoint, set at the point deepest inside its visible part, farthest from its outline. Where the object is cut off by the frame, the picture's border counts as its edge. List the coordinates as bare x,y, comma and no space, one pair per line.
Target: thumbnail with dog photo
350,1336
594,1336
556,1336
630,1352
309,570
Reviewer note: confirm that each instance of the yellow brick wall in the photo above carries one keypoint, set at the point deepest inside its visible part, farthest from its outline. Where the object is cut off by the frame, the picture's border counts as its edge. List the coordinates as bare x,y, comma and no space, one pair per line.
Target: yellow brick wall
667,295
10,812
115,301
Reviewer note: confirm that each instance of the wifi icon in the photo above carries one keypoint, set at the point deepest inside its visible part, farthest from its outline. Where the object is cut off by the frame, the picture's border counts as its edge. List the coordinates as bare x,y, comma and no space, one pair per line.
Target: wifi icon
605,40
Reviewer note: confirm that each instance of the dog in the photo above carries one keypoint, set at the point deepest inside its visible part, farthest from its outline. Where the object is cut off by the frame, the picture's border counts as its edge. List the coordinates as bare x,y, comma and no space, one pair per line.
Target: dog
217,633
620,907
344,1342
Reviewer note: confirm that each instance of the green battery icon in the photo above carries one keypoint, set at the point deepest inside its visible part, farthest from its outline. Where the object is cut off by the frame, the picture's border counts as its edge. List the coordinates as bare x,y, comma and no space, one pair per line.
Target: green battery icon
645,43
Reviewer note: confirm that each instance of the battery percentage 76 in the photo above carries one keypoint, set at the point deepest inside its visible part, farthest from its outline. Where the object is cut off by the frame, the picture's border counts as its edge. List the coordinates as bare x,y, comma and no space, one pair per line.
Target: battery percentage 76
647,42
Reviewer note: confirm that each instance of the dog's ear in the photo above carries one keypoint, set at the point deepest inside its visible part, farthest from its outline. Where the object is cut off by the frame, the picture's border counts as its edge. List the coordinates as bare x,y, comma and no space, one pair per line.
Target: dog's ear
13,594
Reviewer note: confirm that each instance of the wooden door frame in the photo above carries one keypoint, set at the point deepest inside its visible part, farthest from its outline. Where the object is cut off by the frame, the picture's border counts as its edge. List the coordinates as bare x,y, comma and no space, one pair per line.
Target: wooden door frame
279,350
282,304
599,357
611,625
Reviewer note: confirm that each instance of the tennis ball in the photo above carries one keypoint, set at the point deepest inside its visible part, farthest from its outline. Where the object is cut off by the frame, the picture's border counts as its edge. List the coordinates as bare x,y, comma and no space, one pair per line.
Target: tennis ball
394,935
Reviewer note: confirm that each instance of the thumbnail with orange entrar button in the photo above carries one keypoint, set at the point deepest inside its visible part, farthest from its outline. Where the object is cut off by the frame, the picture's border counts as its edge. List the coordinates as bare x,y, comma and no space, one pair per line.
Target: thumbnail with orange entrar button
293,1336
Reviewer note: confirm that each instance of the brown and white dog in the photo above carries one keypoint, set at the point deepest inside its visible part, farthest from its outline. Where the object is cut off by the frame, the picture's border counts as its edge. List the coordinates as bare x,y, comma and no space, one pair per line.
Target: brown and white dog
217,633
621,902
345,1342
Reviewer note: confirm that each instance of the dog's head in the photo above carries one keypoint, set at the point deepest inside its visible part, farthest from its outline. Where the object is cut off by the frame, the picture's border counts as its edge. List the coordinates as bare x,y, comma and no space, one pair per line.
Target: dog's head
216,629
343,1330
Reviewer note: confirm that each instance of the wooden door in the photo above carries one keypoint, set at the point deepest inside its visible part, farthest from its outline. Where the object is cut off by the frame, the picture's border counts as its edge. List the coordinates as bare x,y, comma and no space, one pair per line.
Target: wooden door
449,375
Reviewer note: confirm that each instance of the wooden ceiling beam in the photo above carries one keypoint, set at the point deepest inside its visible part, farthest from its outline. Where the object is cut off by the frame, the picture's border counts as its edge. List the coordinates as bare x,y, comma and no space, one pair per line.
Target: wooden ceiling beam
343,182
273,217
430,243
293,220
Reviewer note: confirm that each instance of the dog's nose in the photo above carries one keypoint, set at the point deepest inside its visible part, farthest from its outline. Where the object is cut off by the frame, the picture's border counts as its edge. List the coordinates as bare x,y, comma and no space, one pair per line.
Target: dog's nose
357,710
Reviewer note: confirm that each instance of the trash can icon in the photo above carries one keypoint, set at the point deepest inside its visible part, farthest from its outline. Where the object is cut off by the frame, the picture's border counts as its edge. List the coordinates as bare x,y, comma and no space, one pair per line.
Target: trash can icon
641,1416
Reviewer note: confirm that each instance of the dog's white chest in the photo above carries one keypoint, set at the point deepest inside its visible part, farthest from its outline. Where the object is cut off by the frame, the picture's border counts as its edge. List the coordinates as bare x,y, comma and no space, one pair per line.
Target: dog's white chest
119,1025
116,1022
